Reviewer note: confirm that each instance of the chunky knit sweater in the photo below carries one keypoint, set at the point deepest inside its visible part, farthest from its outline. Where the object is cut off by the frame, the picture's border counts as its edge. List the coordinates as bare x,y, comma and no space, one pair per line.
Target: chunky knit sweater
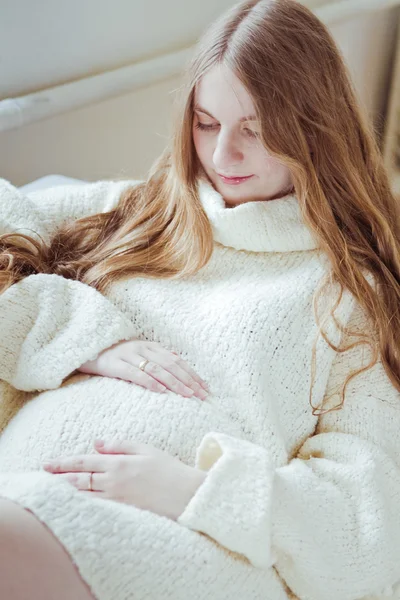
293,505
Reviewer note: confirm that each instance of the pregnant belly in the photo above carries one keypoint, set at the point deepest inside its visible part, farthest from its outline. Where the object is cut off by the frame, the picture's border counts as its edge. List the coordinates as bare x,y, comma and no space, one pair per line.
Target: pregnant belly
67,421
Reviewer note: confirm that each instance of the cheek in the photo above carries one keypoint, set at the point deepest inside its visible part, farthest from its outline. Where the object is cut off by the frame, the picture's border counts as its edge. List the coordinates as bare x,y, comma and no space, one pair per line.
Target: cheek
270,165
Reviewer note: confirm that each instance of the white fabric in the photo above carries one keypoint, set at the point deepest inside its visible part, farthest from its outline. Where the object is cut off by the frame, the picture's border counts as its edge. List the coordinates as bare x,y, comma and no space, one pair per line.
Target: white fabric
49,181
274,226
293,505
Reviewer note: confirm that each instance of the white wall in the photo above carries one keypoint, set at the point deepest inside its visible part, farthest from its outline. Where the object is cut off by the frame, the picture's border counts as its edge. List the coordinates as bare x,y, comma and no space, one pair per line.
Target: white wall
117,138
46,43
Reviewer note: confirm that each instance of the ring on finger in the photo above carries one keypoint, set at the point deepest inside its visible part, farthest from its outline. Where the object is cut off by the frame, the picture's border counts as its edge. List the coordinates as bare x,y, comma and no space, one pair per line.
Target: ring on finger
143,364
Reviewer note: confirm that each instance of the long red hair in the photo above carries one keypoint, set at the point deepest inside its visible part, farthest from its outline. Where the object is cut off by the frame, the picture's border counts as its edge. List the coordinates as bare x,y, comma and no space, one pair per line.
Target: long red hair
311,120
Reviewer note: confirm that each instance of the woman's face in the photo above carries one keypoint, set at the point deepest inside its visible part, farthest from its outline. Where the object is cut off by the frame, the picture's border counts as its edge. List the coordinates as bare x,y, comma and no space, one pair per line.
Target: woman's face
226,141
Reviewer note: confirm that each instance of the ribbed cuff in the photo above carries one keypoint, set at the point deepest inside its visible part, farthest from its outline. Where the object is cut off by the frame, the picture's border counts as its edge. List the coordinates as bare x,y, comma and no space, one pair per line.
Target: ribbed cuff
233,504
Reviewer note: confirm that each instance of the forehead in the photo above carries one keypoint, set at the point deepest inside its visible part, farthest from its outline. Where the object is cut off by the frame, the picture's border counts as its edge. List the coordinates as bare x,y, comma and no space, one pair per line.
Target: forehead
222,94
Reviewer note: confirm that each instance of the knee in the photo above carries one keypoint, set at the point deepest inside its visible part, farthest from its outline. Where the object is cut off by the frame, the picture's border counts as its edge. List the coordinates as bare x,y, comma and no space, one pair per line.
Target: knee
27,547
9,511
18,527
12,522
23,540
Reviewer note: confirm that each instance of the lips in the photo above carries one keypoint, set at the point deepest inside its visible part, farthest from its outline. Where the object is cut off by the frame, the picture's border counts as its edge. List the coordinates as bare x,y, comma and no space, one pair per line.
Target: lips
235,176
234,180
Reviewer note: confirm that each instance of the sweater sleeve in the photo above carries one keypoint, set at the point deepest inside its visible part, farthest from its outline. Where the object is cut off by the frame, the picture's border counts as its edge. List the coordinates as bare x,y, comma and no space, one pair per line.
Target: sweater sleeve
49,325
329,520
44,211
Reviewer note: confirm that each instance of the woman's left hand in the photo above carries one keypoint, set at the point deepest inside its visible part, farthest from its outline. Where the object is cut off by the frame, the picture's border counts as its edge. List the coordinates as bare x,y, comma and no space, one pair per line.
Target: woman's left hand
132,473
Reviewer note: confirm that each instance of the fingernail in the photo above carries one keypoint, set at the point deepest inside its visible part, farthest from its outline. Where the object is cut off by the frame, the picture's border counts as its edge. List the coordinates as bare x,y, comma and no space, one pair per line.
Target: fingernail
99,443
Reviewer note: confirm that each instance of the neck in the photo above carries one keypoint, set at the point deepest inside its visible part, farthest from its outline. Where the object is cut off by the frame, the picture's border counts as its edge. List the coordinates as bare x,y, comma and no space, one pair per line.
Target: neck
277,196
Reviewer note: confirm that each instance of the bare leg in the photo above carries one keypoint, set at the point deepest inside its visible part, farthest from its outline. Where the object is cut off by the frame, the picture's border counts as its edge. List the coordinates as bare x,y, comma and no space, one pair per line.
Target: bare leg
33,564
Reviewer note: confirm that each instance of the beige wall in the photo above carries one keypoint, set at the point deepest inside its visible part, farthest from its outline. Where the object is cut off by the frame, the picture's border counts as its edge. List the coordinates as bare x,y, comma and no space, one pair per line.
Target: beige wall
120,137
117,138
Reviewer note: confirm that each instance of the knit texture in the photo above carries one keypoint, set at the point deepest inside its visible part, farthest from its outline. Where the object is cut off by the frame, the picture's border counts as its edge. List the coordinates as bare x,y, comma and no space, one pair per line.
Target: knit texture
293,505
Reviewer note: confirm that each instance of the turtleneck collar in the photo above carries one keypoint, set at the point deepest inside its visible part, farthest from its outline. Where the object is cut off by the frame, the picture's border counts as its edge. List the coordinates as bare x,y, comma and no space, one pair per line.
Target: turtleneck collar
259,226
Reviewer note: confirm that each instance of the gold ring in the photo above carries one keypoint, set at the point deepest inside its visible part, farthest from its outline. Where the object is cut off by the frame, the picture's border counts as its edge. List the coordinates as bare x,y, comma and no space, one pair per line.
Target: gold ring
143,364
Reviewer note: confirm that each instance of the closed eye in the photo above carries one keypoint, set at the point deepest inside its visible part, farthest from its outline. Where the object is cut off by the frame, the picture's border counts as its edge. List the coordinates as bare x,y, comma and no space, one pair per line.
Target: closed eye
204,127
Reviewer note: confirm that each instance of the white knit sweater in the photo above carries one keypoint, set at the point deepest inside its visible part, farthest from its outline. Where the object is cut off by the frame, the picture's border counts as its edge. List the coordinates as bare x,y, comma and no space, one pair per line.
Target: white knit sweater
293,505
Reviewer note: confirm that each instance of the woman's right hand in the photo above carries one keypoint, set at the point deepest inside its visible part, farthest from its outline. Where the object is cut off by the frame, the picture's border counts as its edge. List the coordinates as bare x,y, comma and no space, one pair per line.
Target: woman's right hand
122,361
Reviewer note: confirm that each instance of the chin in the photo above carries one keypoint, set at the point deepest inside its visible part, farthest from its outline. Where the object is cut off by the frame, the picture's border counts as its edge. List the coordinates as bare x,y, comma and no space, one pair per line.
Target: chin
235,201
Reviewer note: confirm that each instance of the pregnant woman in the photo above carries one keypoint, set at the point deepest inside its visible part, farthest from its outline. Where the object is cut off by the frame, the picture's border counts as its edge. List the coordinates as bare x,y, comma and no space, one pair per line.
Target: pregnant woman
261,256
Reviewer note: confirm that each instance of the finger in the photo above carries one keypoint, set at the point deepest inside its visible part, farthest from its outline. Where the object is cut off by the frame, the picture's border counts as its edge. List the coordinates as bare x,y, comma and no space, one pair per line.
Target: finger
128,372
166,369
182,363
121,447
87,463
81,481
184,369
154,376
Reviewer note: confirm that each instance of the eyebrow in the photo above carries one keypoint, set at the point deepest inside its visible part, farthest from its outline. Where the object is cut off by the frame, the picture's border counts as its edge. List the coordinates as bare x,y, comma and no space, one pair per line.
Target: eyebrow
203,110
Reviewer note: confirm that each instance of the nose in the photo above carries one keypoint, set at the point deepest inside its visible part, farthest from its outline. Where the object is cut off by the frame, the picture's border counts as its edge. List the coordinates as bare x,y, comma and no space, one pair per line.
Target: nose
227,154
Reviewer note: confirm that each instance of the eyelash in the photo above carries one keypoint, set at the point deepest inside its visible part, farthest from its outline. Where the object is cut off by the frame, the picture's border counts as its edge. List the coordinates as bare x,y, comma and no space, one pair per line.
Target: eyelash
203,127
